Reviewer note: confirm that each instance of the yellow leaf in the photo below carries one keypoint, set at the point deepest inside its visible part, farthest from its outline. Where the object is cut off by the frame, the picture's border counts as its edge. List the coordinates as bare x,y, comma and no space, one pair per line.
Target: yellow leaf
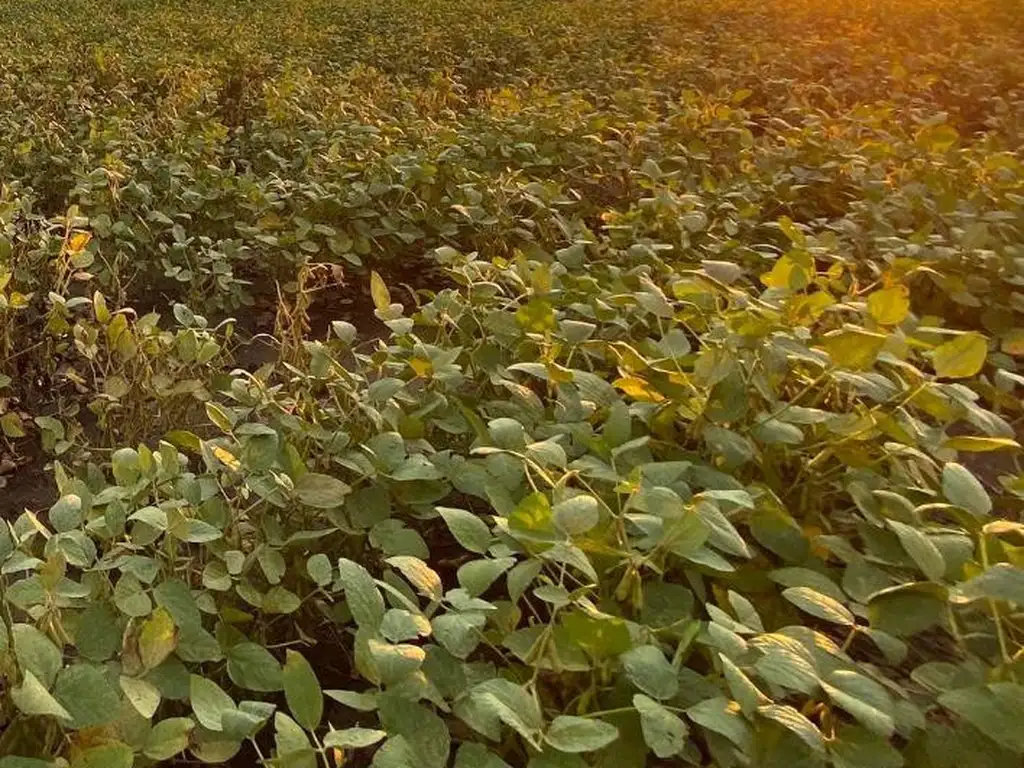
78,241
629,359
962,357
218,416
421,367
379,291
558,374
808,308
981,444
11,425
538,316
854,349
934,403
99,304
157,638
787,273
790,230
889,306
225,457
937,138
639,389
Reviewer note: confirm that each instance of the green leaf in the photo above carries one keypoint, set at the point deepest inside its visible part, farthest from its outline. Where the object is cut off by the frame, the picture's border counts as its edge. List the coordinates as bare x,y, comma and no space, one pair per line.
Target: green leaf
478,575
994,710
36,653
86,692
291,741
855,747
302,691
921,549
144,696
399,625
319,569
66,514
720,715
474,755
468,529
775,529
601,637
1002,581
363,702
353,738
253,667
649,670
12,761
960,358
805,577
209,702
664,732
175,596
32,698
395,662
420,575
577,515
817,604
321,491
459,633
786,662
792,719
425,732
98,634
743,690
281,600
580,734
723,534
962,488
863,698
168,738
907,609
512,705
361,594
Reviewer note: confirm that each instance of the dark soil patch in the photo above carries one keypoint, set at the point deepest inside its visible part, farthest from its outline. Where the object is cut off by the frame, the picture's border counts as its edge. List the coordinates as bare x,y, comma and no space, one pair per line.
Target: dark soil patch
29,484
